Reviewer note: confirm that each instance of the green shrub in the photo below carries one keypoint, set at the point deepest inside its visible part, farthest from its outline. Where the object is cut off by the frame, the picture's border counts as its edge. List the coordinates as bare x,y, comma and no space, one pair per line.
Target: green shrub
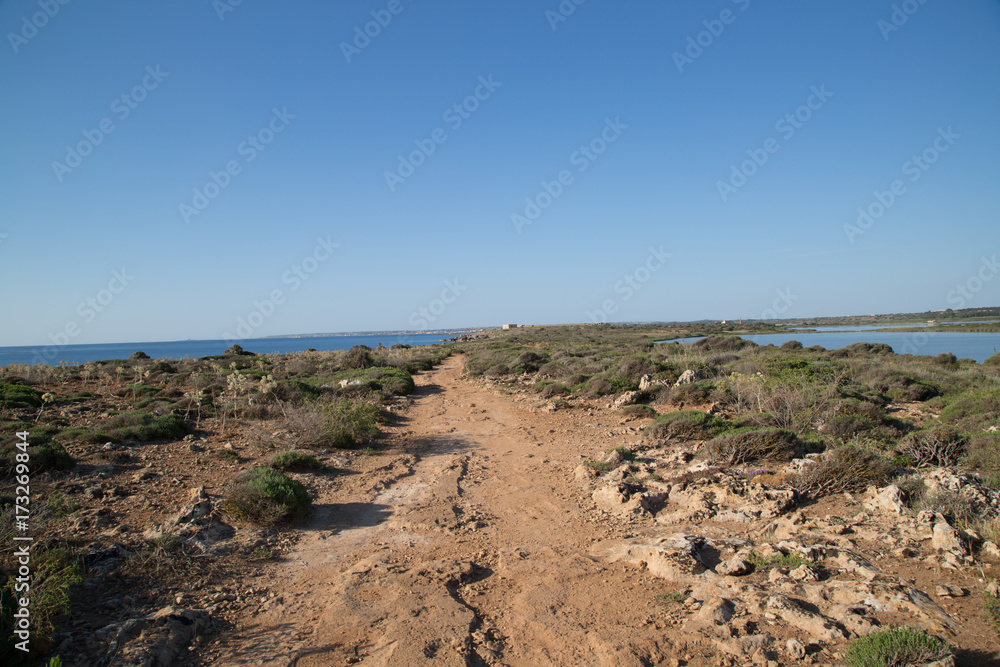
790,560
863,350
638,410
54,572
695,392
554,389
992,361
972,412
359,356
982,451
600,386
139,426
19,396
292,460
746,446
633,368
722,344
895,647
343,423
528,362
688,425
846,468
264,496
50,456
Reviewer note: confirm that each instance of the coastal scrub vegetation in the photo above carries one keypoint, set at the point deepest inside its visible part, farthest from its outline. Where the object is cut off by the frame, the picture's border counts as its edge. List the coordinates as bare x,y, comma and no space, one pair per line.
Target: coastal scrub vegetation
113,409
863,412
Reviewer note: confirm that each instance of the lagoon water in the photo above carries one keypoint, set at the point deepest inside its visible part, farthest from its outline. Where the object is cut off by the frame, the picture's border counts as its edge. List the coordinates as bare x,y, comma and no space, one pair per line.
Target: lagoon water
79,354
976,346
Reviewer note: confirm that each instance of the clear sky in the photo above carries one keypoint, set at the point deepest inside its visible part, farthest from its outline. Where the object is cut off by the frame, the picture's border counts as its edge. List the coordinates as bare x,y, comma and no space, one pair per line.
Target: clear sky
212,169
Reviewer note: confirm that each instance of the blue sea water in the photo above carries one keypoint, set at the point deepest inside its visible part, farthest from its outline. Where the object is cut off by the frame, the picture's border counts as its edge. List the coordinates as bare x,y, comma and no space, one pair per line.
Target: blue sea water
79,354
978,346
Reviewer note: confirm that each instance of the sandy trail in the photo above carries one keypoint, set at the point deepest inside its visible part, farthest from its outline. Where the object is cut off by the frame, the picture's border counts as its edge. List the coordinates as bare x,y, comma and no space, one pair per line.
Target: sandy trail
469,546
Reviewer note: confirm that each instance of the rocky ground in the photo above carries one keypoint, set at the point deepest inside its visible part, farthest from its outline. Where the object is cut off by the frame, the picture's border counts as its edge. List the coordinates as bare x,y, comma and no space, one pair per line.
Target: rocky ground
478,534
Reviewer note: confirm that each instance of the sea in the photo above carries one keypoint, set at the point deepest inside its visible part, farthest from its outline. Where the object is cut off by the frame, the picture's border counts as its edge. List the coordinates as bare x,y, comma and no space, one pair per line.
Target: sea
964,345
55,355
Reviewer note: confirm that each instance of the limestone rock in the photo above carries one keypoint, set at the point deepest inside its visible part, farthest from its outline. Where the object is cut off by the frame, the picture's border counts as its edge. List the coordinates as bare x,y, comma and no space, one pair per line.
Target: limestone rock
687,377
815,625
946,538
946,591
158,640
889,499
796,649
734,567
628,398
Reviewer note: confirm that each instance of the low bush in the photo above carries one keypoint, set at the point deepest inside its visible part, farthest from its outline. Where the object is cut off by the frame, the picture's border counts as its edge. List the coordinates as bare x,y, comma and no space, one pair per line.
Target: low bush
863,350
746,446
638,410
937,446
846,468
687,394
342,423
553,390
292,460
264,496
900,646
359,356
721,344
688,425
972,412
14,395
55,570
137,426
982,452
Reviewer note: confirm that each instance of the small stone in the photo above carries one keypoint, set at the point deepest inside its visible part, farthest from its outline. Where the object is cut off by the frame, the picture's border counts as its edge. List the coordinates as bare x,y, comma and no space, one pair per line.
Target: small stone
734,567
946,591
796,649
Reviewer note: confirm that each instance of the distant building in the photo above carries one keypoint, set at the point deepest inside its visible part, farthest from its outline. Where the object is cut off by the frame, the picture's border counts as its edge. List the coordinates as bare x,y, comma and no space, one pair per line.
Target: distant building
509,326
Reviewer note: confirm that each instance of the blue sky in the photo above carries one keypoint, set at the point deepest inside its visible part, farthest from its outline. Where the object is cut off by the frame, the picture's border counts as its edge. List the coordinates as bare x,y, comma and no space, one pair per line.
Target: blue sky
651,113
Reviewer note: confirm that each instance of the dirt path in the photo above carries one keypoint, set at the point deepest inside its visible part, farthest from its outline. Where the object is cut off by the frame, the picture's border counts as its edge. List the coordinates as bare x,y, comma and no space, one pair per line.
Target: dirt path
468,544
